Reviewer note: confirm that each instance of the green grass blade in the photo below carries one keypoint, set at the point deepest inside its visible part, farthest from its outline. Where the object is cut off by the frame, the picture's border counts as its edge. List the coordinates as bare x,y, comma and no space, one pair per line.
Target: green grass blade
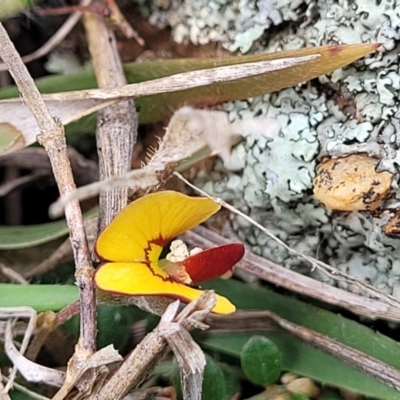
302,358
23,236
18,237
158,107
39,297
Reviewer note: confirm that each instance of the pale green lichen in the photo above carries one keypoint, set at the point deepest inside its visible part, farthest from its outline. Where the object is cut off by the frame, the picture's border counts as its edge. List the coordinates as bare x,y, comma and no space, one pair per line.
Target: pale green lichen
274,185
237,24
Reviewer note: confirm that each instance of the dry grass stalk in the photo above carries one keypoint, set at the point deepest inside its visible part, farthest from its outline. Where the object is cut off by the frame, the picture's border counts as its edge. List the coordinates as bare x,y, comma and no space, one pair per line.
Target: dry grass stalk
328,270
8,314
53,140
55,40
116,131
298,283
154,347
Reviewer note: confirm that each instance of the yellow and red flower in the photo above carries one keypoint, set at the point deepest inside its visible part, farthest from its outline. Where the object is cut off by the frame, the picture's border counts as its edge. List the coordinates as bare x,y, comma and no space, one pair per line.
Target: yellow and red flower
131,245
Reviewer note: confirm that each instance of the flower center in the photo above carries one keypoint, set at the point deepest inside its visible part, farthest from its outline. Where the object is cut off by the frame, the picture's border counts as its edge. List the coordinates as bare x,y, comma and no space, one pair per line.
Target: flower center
173,265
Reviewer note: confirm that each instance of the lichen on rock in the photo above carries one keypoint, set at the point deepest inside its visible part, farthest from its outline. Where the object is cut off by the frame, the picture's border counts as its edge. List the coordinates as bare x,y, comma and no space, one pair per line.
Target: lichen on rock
236,24
353,110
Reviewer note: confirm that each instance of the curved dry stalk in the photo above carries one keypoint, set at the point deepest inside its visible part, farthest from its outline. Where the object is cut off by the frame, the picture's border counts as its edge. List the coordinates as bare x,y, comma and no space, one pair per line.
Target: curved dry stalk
298,283
10,313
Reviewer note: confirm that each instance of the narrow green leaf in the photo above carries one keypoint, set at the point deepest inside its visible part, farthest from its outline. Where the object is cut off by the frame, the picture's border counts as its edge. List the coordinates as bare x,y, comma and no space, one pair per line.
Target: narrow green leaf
213,381
39,297
158,107
18,237
22,236
300,357
335,326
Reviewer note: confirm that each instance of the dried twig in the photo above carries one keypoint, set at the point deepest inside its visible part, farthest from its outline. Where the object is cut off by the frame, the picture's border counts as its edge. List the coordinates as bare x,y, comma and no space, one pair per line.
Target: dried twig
118,19
55,40
298,283
62,253
12,275
85,374
53,139
35,158
183,81
23,389
22,181
137,179
117,124
31,371
3,394
59,254
16,312
153,347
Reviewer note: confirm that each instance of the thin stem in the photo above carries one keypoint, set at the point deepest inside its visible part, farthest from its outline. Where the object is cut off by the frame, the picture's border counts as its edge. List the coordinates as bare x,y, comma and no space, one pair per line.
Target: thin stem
52,138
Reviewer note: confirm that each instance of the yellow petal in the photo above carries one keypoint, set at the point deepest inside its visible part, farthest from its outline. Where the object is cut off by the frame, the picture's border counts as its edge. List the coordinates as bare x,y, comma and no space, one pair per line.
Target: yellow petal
149,223
138,279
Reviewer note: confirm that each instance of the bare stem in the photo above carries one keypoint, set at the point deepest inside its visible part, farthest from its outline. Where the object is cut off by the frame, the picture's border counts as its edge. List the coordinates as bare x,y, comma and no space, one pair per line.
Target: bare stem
117,124
52,138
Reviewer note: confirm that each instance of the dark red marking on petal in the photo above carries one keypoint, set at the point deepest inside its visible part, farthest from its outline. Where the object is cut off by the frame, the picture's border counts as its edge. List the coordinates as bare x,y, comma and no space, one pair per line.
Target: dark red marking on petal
214,262
160,241
165,279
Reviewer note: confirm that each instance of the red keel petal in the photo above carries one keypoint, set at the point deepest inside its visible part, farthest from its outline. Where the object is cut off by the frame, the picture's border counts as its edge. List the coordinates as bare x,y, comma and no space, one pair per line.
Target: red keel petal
214,262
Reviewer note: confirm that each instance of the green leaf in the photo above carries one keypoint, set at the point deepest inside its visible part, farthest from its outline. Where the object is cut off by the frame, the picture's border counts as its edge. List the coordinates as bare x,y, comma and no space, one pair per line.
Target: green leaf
19,237
261,360
298,397
22,236
40,297
113,326
159,107
301,358
232,384
15,394
213,381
